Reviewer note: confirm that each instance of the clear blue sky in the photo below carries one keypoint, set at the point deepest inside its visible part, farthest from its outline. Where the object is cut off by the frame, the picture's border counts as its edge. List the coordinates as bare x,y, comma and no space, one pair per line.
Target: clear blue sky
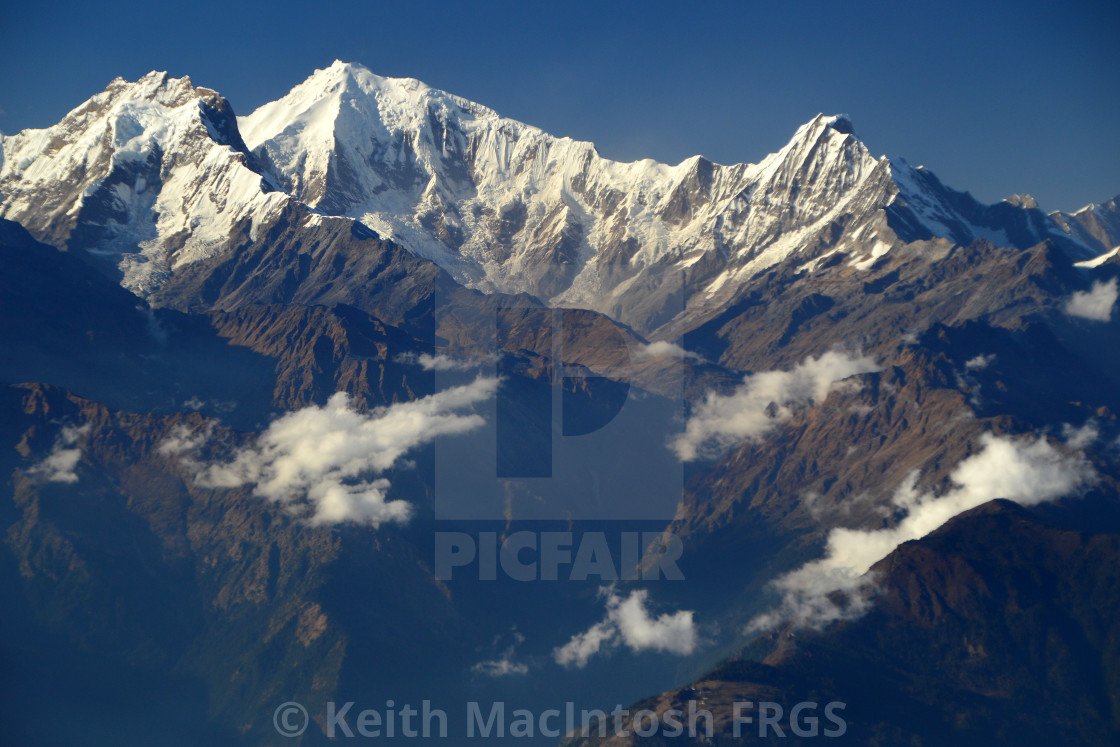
996,98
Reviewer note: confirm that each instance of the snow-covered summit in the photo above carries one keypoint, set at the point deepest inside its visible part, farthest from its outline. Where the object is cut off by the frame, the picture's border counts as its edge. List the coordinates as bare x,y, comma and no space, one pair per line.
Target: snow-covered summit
148,174
345,115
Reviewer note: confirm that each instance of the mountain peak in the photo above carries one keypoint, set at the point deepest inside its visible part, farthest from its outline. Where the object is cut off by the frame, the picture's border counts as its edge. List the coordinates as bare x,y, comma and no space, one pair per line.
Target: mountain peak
824,143
157,87
144,174
340,71
841,123
821,124
357,79
1022,200
158,77
828,133
347,67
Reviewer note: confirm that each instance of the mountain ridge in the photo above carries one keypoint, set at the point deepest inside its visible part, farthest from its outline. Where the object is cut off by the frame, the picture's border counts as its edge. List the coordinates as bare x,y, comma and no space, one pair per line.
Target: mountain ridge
159,178
502,205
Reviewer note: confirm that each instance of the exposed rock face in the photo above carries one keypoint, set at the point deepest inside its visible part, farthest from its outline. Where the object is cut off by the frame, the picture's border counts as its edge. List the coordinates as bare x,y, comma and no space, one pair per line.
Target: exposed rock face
321,351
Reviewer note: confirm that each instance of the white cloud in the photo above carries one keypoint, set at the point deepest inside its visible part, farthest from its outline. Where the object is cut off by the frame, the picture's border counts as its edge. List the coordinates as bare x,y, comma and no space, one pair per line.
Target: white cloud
980,362
197,403
504,664
155,327
438,362
59,465
500,668
628,623
1095,303
761,402
579,650
184,440
664,349
329,455
1079,438
674,633
1027,471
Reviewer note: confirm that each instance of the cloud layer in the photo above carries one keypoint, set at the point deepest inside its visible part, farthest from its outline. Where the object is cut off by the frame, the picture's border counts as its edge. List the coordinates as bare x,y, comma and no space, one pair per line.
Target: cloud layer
628,623
761,402
1027,471
1095,303
330,456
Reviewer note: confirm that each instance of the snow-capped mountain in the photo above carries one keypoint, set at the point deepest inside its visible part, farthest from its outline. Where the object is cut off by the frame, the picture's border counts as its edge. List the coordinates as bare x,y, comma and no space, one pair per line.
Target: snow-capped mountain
156,177
505,206
151,175
310,267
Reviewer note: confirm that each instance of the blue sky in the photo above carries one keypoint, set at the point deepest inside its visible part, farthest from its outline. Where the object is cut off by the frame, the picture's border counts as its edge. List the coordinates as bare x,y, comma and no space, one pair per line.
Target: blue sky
996,98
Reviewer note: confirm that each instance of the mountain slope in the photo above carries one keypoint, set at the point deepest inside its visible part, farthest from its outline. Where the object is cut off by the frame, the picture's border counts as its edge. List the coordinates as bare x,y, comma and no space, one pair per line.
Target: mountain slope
999,628
137,578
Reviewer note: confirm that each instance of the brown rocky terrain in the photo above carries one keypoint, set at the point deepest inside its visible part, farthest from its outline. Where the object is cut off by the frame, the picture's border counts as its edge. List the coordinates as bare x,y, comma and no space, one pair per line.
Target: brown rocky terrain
998,628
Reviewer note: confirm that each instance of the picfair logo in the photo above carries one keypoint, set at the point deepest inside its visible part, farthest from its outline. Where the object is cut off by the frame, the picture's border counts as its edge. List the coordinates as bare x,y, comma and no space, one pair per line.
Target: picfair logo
570,434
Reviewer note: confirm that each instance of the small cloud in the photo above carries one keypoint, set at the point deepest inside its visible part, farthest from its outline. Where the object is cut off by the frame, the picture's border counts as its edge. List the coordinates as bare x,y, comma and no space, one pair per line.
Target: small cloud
1027,471
665,349
499,668
579,650
185,440
196,403
629,623
1095,303
438,362
761,402
60,464
504,664
980,362
155,328
1081,438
